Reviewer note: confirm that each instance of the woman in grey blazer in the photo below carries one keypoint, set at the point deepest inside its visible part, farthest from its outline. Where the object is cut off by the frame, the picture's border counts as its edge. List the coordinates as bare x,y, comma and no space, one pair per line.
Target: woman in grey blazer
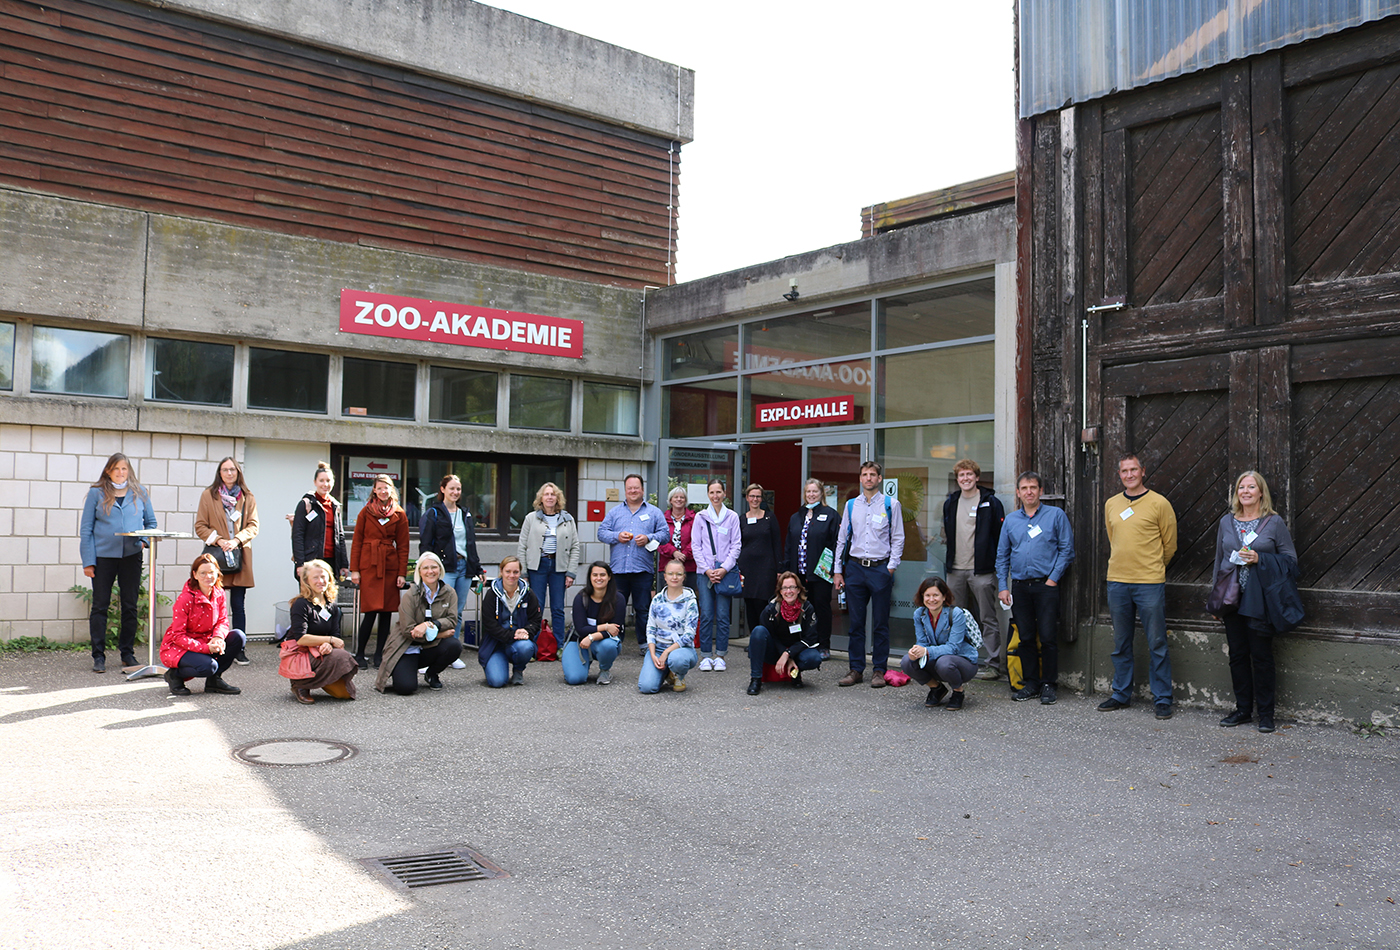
1250,531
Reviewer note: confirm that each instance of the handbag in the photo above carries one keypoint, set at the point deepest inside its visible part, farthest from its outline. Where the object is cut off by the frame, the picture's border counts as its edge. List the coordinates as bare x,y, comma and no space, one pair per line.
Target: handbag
296,661
731,583
230,562
1225,595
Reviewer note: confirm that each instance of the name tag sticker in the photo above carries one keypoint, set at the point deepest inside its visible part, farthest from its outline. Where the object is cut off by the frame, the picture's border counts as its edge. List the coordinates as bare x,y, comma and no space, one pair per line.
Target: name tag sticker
644,516
1249,538
324,614
383,520
972,514
821,517
794,628
1034,532
1126,514
591,622
311,515
753,521
877,520
724,532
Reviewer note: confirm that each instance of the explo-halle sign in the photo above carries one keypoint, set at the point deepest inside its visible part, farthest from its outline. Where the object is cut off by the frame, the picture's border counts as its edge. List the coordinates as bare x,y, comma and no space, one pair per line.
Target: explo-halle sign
801,412
408,318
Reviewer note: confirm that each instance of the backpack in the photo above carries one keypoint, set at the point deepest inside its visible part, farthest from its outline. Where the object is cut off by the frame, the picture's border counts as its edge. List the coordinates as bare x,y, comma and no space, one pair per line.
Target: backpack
974,629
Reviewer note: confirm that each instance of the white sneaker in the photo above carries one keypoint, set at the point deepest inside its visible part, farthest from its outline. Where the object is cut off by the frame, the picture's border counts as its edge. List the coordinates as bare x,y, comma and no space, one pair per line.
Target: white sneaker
458,665
719,666
705,665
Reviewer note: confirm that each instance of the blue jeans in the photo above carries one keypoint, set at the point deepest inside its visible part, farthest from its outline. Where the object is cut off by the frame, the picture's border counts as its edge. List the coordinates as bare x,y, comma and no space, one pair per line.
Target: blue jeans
498,667
679,662
715,609
873,586
763,650
636,587
1149,603
577,660
461,584
548,576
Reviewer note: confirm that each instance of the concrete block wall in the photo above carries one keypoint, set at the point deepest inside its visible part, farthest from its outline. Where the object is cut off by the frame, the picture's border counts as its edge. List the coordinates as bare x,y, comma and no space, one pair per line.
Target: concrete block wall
45,472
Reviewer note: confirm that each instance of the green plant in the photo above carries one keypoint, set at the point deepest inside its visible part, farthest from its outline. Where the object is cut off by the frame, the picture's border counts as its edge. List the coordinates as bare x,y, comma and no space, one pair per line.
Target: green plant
35,644
1369,730
114,609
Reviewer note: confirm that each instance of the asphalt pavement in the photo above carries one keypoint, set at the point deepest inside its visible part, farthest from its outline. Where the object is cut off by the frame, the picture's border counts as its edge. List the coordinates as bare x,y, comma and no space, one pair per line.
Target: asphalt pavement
819,818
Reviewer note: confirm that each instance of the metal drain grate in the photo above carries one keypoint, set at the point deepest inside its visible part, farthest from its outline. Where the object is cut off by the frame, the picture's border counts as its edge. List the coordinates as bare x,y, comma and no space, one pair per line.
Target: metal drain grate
457,865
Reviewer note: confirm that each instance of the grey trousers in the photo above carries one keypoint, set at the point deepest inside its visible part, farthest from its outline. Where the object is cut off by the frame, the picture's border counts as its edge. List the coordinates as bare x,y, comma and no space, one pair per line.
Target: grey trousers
978,593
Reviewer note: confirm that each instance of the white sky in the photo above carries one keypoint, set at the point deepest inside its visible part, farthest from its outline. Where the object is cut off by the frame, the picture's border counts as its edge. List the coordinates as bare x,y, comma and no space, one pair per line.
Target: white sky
806,113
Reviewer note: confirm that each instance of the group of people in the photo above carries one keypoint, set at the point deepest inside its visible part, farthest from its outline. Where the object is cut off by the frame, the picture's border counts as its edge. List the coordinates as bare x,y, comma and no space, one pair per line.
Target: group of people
707,559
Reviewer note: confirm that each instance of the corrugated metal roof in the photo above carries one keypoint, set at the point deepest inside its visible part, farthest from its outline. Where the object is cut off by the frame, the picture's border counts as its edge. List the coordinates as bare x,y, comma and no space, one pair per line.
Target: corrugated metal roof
1076,50
902,212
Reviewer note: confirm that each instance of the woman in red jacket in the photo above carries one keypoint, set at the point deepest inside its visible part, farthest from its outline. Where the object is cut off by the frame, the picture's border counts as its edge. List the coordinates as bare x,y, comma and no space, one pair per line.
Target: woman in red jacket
379,563
198,642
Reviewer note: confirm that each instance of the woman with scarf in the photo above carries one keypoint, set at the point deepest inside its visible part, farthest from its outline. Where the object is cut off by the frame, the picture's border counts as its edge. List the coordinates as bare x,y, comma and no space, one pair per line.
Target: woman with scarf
811,534
199,643
315,633
227,518
317,528
1252,540
379,563
116,502
944,654
785,636
680,525
424,638
510,622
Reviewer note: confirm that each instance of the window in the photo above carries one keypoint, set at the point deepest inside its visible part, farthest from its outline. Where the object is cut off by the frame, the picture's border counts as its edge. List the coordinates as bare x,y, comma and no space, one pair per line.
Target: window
525,480
462,396
839,331
81,362
478,488
7,356
377,388
610,409
934,316
539,402
283,379
810,382
700,354
699,409
185,371
938,383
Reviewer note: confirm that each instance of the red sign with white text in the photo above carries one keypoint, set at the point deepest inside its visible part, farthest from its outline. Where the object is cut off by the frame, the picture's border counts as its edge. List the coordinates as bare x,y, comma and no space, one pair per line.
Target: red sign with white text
801,412
408,318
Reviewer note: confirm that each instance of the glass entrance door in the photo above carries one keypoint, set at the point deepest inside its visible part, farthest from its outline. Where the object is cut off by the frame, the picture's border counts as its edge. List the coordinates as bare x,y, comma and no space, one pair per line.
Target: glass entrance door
835,459
690,464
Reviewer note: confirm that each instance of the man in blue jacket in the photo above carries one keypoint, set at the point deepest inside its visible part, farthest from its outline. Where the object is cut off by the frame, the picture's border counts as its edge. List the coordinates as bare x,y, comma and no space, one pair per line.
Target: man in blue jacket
1035,550
972,518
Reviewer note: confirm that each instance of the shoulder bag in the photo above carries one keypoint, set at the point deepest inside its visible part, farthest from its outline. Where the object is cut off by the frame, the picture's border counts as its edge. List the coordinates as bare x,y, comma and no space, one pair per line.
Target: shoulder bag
731,583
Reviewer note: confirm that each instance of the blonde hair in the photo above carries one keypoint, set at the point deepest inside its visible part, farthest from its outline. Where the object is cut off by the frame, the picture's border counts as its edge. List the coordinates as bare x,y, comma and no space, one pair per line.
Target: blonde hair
1266,502
393,492
559,493
308,592
511,557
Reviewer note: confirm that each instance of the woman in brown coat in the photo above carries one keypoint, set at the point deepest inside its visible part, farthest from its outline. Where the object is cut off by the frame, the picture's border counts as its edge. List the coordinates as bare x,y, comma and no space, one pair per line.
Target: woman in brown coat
227,518
379,562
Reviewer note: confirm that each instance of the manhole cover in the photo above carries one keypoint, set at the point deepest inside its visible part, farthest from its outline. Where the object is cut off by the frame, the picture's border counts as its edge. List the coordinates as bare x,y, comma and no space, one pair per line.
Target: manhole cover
294,752
454,865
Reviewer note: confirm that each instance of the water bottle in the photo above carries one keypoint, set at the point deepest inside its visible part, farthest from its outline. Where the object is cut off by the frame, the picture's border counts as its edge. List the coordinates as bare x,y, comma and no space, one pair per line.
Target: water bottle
841,598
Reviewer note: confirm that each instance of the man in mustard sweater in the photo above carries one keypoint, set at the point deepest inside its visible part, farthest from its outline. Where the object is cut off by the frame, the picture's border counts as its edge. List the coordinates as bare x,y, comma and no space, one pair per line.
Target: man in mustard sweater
1142,539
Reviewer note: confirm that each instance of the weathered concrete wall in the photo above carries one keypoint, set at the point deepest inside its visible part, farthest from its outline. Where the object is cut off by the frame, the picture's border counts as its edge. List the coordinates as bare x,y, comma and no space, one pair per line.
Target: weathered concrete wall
944,247
1319,680
484,47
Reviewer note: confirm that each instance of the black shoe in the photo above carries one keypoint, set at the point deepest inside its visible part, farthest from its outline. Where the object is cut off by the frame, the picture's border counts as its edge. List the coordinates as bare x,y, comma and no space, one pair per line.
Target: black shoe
1163,710
176,684
433,681
755,687
1266,723
1048,695
99,664
936,695
216,684
1110,704
1025,693
129,659
362,662
242,658
796,681
955,702
1235,718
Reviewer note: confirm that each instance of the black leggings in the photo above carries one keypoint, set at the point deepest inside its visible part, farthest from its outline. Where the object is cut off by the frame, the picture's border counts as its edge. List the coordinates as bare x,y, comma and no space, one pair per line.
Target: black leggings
366,625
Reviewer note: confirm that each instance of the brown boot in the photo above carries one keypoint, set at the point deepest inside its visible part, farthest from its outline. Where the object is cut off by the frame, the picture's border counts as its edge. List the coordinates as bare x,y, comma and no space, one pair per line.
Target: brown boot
340,689
852,678
878,680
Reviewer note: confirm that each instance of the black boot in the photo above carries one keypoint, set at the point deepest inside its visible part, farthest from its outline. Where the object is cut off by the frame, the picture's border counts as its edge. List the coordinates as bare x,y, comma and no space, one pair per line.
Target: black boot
176,684
216,684
755,686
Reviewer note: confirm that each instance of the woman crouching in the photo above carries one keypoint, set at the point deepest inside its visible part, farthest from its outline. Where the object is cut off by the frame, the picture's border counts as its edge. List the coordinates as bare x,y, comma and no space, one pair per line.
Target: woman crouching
198,642
313,655
510,622
424,635
942,656
786,635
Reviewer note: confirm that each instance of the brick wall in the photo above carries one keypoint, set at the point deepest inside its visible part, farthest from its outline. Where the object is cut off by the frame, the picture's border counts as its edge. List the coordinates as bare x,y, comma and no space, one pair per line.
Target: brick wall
45,473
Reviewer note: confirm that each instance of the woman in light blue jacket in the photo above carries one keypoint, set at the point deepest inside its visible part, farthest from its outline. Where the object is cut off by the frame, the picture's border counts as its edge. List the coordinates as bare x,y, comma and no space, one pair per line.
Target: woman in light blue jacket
715,540
944,654
115,503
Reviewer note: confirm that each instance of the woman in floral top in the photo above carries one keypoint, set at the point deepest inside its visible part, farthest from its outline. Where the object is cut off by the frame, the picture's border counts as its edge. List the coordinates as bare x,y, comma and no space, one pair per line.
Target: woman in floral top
671,627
